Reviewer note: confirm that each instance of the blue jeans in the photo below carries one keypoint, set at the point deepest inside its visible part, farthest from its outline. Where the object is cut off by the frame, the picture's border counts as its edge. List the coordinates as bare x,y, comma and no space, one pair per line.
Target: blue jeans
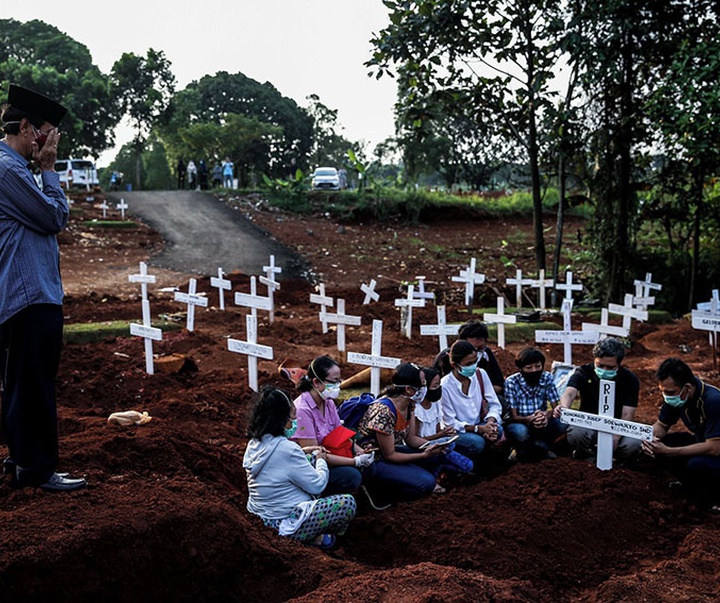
343,480
699,474
402,481
474,445
523,436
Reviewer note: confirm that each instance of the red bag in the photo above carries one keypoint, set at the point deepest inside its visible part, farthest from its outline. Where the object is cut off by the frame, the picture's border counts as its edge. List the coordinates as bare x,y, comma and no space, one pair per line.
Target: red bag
339,441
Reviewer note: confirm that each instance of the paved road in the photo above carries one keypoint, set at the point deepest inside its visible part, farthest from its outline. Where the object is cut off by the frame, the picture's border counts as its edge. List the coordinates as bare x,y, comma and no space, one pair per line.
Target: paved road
202,233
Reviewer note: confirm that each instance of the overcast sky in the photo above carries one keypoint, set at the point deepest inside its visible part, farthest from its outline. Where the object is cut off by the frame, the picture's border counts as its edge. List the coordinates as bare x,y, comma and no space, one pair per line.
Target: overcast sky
302,47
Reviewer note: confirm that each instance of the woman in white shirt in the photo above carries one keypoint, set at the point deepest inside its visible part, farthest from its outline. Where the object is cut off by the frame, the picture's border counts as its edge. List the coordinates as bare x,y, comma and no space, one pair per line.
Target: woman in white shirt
469,402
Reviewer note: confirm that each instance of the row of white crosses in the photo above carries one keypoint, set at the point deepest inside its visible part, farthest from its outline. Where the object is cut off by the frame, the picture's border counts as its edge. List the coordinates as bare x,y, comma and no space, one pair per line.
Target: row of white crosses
122,206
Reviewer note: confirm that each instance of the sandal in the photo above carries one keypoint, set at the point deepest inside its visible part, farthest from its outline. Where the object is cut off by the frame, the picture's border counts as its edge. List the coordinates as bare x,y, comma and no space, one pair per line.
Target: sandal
326,542
714,509
439,489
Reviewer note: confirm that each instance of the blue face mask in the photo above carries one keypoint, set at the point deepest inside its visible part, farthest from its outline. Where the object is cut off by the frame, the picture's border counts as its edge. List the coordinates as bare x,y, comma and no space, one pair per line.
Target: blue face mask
468,371
674,401
291,432
605,373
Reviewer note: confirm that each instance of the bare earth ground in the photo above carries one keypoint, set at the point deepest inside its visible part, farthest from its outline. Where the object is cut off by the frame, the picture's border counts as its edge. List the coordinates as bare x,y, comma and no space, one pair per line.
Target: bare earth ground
164,517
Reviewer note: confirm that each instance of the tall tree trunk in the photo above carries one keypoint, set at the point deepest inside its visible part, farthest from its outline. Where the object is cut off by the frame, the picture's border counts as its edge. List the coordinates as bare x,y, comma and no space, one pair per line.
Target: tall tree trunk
533,153
560,225
695,267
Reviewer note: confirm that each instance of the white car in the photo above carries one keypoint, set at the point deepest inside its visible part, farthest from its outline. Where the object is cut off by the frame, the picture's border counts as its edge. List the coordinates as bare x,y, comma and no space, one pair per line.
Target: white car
326,178
77,173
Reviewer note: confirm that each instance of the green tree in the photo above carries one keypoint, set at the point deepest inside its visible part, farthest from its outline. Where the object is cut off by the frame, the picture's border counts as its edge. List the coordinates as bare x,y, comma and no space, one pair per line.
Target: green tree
214,98
685,105
143,87
39,56
491,59
329,147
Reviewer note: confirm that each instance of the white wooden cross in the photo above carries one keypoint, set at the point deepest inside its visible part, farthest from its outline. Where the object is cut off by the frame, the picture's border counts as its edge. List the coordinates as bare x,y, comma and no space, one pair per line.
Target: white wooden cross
269,281
441,329
628,312
192,299
567,336
104,206
421,293
707,318
70,202
407,304
374,359
252,350
605,329
470,278
568,286
122,206
341,320
369,291
518,281
643,289
148,333
541,284
500,319
325,303
222,285
606,424
143,278
252,300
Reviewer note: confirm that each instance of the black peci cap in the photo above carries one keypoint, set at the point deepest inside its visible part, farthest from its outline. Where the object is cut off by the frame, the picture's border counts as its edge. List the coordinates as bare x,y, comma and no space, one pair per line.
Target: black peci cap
36,104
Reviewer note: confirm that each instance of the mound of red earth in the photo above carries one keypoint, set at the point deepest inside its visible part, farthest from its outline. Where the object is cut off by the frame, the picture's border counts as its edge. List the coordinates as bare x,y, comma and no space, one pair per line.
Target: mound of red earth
164,517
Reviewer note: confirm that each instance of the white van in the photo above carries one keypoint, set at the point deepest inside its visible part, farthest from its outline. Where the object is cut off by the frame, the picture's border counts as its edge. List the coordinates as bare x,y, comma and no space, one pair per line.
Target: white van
77,173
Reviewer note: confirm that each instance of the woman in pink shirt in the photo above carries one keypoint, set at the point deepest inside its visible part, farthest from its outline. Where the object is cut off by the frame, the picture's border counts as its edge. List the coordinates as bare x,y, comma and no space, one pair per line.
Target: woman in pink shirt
317,418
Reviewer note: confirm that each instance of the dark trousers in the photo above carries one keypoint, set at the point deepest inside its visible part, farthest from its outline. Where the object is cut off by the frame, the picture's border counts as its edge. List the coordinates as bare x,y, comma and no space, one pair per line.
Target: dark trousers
30,343
699,474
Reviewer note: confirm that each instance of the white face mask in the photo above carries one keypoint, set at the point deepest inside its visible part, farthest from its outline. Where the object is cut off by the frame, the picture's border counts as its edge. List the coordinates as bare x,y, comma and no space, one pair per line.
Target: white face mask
331,391
419,395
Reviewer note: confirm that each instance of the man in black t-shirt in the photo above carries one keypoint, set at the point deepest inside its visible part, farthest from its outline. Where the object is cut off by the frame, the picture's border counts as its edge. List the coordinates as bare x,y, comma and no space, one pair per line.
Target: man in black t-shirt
585,381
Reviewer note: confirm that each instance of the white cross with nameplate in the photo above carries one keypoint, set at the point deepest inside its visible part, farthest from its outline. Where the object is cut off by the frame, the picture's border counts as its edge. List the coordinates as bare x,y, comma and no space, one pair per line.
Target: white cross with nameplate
406,305
518,281
252,350
421,293
269,281
643,289
441,329
222,285
707,318
143,278
568,286
341,320
470,278
252,300
192,299
104,206
606,424
369,291
628,312
605,329
374,359
500,319
325,302
541,284
122,206
148,333
567,336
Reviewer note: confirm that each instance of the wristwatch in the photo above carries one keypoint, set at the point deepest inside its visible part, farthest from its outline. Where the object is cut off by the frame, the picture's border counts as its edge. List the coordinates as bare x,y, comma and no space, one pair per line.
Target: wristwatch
476,429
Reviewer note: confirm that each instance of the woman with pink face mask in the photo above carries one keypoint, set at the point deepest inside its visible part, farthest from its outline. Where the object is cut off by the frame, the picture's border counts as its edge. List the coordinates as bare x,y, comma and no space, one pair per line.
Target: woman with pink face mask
320,426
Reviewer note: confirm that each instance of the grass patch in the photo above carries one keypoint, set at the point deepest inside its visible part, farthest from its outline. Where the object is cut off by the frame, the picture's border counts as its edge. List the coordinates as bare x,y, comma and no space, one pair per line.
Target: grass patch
93,332
655,317
109,224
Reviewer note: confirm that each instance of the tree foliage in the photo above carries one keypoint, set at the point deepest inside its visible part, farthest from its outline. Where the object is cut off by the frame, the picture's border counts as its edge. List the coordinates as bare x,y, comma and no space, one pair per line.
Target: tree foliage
213,99
39,56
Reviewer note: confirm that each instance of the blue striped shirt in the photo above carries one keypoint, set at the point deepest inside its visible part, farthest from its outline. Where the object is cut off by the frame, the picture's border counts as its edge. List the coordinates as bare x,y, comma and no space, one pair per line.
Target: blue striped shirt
30,219
526,399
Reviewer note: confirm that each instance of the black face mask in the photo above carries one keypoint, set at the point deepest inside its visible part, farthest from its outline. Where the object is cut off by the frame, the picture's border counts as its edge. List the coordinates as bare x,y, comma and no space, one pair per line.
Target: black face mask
434,394
532,378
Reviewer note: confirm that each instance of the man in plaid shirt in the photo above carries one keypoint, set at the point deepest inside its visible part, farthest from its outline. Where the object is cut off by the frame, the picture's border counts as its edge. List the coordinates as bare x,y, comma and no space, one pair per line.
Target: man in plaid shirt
532,396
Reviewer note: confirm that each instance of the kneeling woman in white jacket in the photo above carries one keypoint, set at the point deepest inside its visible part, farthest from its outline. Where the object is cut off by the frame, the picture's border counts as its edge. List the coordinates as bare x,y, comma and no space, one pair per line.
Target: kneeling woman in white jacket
283,484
